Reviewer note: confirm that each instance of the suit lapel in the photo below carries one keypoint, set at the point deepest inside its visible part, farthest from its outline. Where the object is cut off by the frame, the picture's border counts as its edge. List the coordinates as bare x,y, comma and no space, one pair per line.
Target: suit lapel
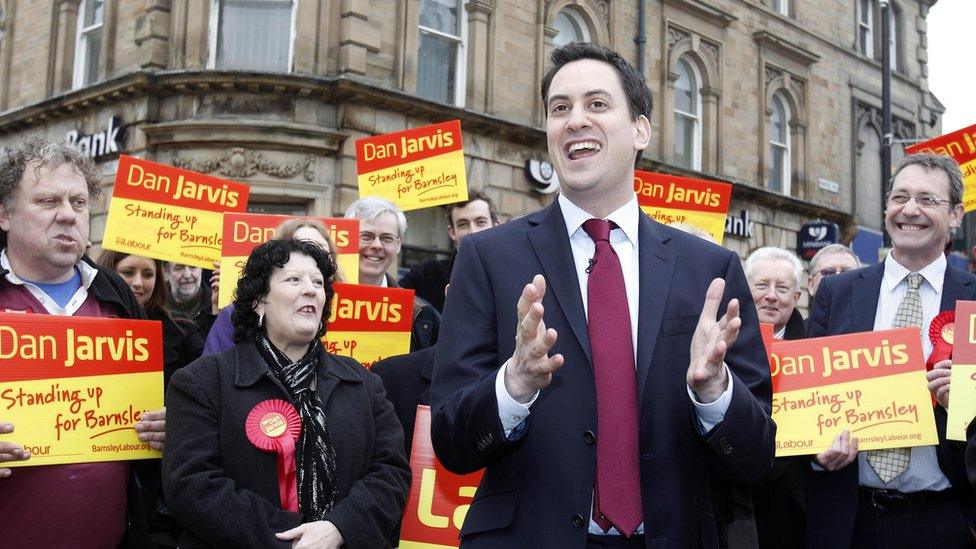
657,264
865,299
551,244
954,288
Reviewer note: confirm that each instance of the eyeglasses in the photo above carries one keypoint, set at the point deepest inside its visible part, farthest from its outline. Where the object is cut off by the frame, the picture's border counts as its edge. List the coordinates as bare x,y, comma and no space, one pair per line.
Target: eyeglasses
828,272
386,239
781,289
924,200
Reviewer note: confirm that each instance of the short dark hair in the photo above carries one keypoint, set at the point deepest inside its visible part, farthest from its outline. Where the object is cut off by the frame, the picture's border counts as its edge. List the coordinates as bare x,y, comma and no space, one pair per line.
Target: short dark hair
110,259
639,99
255,278
38,152
472,196
935,162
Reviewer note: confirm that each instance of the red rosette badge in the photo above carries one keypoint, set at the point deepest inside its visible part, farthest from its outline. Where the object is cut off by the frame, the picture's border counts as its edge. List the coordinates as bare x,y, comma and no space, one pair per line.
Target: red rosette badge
274,426
941,333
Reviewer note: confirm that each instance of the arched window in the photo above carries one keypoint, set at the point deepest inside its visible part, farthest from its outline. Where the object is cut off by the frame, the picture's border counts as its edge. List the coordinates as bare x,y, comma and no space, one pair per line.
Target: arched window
687,116
571,27
779,145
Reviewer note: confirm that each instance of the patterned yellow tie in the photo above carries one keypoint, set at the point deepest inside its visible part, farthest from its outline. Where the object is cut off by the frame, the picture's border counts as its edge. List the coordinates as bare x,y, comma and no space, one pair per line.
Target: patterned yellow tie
892,462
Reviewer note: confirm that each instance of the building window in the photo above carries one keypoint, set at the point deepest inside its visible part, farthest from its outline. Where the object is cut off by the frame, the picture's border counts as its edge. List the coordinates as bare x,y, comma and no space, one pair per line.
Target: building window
779,145
865,27
441,58
88,44
254,35
571,26
687,116
782,7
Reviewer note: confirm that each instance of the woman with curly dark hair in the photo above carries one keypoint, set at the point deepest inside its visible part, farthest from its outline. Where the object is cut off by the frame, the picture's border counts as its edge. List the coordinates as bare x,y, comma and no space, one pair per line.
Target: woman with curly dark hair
277,442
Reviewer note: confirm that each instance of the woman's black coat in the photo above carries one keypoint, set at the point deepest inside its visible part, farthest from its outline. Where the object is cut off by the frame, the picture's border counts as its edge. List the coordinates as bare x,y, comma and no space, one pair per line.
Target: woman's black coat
224,491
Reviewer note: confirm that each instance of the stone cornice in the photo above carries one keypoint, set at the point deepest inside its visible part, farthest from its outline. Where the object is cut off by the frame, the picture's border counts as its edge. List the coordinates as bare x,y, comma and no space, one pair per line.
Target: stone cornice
337,89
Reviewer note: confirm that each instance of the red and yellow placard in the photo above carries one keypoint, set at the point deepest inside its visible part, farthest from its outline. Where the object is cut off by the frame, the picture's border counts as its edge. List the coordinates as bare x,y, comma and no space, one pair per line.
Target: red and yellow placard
962,398
169,213
242,232
74,390
872,383
961,146
670,199
369,323
439,499
416,168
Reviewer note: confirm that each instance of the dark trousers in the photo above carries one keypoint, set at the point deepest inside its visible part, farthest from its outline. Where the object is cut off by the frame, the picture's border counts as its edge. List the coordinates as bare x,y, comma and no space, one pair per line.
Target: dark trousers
940,525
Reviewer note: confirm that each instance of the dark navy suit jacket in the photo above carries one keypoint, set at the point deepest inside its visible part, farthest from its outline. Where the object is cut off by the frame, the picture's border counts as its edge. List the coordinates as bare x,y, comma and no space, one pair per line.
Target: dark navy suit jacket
847,303
537,487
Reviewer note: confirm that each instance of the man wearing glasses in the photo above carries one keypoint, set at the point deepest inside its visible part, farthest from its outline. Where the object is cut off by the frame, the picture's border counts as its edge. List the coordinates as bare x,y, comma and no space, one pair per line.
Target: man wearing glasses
828,261
907,497
381,229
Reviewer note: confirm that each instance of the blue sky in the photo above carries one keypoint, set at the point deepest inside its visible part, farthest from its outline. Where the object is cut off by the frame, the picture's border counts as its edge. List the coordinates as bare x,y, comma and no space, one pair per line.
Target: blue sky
952,76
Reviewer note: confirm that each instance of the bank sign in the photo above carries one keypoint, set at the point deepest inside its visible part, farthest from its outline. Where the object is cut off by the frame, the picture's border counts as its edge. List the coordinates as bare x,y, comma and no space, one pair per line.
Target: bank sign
104,143
815,235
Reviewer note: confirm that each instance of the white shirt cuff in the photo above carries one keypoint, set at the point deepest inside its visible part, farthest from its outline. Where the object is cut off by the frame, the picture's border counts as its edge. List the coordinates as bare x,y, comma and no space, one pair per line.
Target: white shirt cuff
510,411
713,413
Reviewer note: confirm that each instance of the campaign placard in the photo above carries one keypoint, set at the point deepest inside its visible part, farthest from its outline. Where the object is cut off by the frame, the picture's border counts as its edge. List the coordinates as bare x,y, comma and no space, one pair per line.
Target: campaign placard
169,213
74,390
369,323
961,146
962,397
439,499
671,200
242,232
872,383
416,168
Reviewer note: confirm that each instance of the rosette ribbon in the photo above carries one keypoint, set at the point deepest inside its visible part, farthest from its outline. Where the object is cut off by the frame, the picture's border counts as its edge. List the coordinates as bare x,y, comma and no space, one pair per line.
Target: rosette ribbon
273,426
941,333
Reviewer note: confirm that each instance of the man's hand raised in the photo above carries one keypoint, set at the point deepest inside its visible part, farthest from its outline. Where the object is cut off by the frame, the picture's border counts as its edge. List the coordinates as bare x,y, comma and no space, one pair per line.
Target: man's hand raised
530,368
706,373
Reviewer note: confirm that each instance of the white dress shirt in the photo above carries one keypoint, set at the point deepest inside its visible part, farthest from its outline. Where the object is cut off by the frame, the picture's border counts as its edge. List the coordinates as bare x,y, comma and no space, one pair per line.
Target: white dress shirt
923,470
624,240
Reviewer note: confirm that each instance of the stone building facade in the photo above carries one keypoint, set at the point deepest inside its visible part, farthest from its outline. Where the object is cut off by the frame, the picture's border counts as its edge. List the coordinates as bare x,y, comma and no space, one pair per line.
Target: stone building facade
781,98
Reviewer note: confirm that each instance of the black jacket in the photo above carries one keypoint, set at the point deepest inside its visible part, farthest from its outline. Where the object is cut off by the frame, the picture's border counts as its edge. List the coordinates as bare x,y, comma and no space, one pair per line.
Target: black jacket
224,491
407,381
429,279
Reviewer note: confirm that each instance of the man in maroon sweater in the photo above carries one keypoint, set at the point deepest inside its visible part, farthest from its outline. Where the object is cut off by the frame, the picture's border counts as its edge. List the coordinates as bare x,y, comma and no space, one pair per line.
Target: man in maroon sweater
45,199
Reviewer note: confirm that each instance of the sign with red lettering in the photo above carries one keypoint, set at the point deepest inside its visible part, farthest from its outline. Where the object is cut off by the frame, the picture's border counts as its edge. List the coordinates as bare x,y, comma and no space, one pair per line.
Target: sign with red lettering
242,232
872,383
369,323
675,200
438,500
961,146
416,168
169,213
74,390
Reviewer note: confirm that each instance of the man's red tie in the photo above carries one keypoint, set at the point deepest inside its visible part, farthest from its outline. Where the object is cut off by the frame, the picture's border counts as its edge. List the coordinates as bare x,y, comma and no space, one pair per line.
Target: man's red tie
616,497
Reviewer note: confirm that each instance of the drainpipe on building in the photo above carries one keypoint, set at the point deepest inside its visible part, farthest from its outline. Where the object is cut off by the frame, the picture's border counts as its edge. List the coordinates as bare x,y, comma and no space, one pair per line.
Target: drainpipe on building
885,113
641,34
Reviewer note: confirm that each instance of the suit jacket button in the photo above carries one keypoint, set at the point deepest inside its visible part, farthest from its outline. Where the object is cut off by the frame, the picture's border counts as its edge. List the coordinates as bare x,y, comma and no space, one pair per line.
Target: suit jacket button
578,520
588,437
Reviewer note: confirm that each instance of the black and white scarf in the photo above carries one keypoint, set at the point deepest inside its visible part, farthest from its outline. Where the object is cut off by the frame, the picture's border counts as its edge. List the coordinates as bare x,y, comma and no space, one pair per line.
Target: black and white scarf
317,483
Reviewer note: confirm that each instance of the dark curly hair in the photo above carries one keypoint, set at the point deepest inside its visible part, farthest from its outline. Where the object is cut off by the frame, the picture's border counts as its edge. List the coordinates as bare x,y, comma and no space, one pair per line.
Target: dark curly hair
254,281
